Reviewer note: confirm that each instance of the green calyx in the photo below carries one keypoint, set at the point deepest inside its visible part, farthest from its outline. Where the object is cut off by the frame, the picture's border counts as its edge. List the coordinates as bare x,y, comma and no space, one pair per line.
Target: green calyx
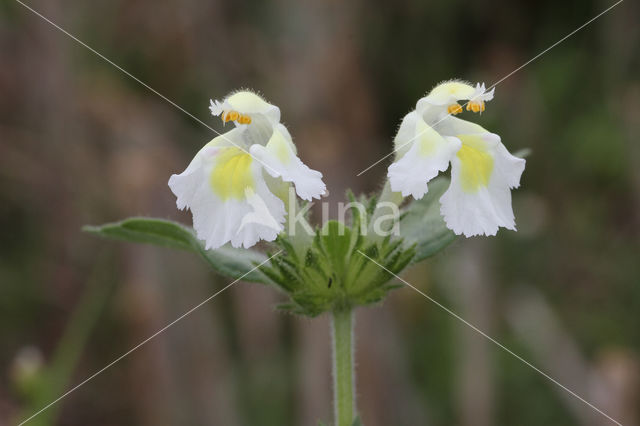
344,266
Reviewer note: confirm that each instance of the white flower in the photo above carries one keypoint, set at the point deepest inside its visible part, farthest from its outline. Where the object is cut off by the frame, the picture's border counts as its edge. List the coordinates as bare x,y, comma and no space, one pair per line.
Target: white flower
483,172
225,186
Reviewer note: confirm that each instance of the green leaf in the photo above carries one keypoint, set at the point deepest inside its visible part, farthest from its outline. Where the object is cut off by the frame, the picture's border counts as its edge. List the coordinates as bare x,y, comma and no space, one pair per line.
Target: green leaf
423,225
357,422
148,231
335,238
228,261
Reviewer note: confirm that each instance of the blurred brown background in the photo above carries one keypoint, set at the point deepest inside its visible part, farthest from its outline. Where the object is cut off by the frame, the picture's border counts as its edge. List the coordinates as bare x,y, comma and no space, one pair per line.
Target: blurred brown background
82,143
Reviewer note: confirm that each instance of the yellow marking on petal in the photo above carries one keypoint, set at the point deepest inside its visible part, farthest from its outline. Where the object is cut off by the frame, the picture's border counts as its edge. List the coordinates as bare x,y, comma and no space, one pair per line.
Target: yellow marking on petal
475,106
279,146
458,89
454,109
476,163
232,174
428,138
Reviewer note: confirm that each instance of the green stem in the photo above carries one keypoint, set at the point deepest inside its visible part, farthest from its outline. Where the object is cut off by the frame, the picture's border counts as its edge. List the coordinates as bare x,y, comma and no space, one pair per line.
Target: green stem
343,378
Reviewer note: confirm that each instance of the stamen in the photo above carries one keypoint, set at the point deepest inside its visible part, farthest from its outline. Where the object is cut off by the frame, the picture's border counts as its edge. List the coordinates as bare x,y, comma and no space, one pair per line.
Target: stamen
454,109
229,116
475,106
232,115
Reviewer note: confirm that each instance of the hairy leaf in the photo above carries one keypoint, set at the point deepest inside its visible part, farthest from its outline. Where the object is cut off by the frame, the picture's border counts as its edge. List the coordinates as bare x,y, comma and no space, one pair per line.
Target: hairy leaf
227,261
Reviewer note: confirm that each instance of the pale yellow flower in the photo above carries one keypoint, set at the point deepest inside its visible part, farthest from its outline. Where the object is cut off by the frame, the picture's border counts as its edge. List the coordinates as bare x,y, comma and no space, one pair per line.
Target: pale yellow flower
483,172
234,184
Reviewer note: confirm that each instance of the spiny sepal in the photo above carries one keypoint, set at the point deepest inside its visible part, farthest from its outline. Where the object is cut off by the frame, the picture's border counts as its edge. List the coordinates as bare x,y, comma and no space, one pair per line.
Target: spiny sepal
342,266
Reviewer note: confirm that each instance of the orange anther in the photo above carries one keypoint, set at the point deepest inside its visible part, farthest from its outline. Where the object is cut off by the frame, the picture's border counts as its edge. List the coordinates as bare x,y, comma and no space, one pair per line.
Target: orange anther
475,106
229,116
454,109
244,119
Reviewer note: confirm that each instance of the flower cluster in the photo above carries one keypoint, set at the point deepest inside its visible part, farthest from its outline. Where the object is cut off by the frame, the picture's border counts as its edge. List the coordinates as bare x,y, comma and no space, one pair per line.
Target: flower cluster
236,185
483,172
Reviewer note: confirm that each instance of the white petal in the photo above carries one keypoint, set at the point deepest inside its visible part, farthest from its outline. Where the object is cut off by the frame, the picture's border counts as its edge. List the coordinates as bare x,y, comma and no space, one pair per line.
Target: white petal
454,126
258,132
406,133
449,92
264,218
481,93
247,102
510,167
429,154
280,160
242,221
484,210
216,107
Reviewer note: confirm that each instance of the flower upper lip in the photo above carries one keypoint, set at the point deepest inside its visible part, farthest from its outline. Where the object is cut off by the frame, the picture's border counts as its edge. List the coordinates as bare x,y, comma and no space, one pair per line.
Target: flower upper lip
244,104
448,94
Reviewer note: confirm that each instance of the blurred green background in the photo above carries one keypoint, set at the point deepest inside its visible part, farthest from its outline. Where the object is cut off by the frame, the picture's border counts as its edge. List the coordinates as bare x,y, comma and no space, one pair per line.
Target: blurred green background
82,143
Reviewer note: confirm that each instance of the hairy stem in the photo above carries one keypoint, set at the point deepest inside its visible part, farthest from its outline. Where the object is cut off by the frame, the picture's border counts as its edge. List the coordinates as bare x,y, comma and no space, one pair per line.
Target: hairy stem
343,377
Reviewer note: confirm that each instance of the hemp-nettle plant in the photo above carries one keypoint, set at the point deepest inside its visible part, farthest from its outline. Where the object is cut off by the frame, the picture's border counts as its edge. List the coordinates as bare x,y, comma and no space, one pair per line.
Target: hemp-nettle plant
246,186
